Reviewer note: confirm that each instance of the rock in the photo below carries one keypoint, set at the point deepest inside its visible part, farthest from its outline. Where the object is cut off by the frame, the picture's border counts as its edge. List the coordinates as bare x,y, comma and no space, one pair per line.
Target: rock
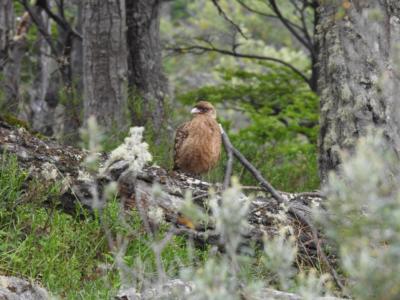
13,288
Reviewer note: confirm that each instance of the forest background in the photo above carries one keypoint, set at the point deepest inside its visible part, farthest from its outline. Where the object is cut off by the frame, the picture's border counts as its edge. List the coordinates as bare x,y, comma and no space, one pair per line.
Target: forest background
295,83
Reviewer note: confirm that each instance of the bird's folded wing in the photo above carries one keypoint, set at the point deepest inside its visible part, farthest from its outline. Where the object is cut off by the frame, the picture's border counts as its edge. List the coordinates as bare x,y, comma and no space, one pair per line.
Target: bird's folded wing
181,135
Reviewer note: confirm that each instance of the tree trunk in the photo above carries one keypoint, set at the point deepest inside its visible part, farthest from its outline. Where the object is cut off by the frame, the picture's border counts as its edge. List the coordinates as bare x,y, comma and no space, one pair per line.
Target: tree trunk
359,75
9,58
105,61
7,29
147,83
77,52
40,114
71,81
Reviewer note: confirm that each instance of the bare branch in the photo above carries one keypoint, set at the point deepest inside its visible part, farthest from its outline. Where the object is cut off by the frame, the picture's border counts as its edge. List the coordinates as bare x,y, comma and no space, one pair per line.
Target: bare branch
34,17
197,49
60,20
267,15
289,26
257,175
278,197
225,16
229,163
302,11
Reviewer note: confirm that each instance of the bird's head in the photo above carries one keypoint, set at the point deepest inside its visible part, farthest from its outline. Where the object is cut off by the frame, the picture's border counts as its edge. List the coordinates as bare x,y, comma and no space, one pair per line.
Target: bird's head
204,108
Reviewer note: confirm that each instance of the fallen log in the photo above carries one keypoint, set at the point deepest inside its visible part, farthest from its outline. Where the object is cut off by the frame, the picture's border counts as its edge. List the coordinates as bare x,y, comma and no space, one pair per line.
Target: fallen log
14,288
179,289
48,161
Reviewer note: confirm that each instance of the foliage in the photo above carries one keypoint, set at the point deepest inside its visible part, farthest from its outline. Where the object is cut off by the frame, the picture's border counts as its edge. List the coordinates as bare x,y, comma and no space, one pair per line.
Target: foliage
269,112
239,272
364,218
272,118
69,254
84,256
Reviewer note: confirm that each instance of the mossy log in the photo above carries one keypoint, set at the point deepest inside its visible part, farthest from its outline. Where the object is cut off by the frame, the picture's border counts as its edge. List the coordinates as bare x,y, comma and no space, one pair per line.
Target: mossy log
49,162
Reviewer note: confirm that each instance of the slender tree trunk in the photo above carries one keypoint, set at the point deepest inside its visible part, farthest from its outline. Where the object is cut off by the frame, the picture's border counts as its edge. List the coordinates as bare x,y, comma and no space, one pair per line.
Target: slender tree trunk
74,72
77,52
314,55
70,49
40,114
146,79
7,30
9,62
359,75
105,61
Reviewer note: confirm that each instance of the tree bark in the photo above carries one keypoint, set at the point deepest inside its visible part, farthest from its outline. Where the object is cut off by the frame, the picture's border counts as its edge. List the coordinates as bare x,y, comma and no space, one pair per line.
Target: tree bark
148,85
7,29
77,51
71,81
40,114
359,75
105,61
11,52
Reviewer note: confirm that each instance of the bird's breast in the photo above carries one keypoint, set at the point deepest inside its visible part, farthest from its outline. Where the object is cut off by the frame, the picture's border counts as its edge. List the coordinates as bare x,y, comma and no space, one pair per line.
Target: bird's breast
201,150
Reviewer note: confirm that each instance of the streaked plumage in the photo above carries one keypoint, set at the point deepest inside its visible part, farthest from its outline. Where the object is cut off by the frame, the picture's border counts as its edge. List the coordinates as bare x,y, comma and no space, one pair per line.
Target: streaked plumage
198,142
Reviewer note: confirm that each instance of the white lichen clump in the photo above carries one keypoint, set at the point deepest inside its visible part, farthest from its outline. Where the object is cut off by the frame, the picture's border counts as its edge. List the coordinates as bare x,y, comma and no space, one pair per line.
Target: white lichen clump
133,150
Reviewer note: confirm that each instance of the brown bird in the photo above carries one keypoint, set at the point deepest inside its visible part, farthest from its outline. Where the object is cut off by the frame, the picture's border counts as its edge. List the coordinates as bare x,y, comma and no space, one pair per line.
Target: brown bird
198,142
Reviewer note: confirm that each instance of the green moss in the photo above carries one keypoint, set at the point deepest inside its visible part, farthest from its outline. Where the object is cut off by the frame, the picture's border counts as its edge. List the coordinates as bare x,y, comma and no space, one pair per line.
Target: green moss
14,121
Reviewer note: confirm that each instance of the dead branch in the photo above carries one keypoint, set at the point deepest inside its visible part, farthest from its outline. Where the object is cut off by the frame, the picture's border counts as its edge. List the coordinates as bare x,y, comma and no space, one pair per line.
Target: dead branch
203,49
257,175
289,26
34,15
229,163
277,196
225,16
59,19
264,14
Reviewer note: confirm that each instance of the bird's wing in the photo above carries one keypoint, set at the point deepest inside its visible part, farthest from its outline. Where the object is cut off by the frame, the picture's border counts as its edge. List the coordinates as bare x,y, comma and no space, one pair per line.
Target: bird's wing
181,135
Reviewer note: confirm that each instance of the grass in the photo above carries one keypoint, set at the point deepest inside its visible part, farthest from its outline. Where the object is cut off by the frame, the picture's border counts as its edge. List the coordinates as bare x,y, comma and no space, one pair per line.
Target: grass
72,257
69,254
287,168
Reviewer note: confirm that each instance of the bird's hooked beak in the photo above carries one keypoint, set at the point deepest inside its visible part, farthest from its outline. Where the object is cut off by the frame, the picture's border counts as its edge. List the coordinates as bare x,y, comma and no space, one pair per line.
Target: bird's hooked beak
195,110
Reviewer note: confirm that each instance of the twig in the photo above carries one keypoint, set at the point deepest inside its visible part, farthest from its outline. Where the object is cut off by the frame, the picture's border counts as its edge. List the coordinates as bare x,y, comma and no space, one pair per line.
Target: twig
243,160
267,15
310,194
320,251
229,163
253,188
60,20
289,26
225,16
203,49
35,19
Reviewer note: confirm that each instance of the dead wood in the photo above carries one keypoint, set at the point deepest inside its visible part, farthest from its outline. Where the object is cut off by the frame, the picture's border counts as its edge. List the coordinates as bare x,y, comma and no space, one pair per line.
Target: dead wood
50,162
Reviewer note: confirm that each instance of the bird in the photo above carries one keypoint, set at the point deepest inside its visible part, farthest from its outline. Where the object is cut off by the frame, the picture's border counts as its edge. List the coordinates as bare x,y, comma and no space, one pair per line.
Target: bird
198,142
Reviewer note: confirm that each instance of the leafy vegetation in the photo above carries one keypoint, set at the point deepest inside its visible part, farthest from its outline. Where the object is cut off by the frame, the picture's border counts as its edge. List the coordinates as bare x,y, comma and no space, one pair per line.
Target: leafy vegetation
78,257
268,111
363,220
70,255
